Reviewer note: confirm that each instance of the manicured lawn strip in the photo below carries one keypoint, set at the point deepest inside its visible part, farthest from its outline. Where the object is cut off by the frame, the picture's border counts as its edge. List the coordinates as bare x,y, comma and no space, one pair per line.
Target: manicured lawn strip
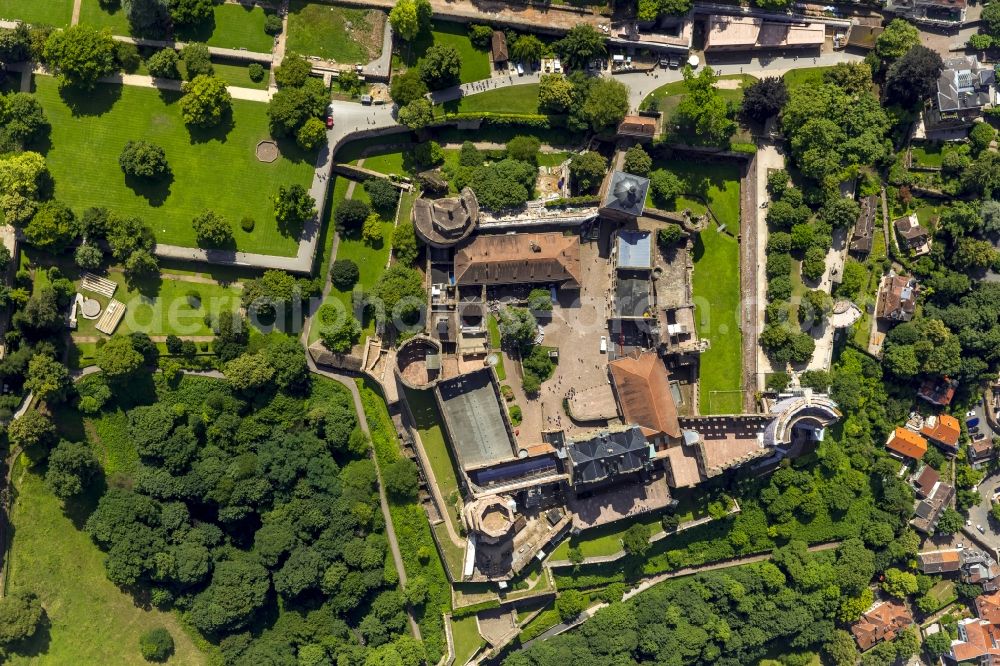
465,633
475,63
395,162
215,170
57,13
412,529
350,152
233,27
804,76
716,289
494,329
238,75
670,94
428,422
553,159
515,99
90,620
321,30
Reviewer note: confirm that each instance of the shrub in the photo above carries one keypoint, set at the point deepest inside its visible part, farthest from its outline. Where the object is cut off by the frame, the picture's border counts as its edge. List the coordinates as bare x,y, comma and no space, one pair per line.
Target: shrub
515,415
382,194
351,214
371,231
507,392
256,72
156,645
174,344
344,273
480,36
142,159
163,64
638,161
247,224
272,24
88,256
127,55
669,235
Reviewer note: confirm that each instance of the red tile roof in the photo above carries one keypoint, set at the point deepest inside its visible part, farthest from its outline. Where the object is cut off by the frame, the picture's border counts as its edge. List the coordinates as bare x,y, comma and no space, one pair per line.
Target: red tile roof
907,443
643,389
882,622
943,429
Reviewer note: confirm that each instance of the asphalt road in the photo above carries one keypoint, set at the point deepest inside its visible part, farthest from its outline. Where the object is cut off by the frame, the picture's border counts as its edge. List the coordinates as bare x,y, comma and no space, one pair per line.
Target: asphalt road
980,514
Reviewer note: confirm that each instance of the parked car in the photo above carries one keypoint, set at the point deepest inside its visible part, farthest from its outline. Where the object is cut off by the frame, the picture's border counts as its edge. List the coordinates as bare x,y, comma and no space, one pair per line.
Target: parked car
520,69
604,344
969,414
973,422
675,62
979,436
980,528
664,62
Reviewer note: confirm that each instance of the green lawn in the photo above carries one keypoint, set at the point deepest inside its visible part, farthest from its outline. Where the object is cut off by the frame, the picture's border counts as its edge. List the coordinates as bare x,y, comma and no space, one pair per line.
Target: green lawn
343,34
516,99
494,329
215,169
943,592
395,162
670,95
804,76
232,27
371,259
52,12
91,621
465,632
716,277
928,155
428,422
475,63
716,289
239,75
113,18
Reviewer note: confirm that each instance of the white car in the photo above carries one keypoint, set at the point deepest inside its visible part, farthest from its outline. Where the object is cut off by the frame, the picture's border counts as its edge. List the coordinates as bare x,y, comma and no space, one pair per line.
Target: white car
980,528
969,414
604,344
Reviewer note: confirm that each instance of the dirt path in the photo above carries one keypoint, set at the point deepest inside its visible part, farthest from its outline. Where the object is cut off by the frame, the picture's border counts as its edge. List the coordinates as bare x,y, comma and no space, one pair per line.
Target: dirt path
76,12
194,279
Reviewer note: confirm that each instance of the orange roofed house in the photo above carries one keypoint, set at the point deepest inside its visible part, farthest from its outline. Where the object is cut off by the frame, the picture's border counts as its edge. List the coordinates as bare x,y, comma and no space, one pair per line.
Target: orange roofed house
643,389
907,443
943,430
882,623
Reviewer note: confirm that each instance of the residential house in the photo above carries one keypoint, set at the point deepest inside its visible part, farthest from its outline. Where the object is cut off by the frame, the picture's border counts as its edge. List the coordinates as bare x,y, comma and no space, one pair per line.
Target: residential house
978,642
861,237
906,443
988,607
980,452
964,89
944,430
913,237
923,482
938,392
928,510
940,561
882,622
897,298
978,568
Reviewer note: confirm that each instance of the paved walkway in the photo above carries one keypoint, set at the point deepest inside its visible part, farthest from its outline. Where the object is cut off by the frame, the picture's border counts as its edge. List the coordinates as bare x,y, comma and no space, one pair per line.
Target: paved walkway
768,157
76,12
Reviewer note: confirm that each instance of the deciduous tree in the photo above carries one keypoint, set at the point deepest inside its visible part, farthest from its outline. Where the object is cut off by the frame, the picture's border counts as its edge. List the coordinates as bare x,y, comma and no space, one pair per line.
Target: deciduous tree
206,101
81,55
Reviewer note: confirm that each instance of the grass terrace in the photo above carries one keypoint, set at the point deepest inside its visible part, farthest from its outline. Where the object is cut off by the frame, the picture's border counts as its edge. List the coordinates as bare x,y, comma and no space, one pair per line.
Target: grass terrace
716,277
475,63
927,155
52,12
342,34
89,130
515,99
465,632
112,18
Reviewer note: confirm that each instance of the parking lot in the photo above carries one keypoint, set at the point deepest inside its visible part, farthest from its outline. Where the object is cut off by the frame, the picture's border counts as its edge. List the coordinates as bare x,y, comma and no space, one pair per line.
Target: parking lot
980,514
